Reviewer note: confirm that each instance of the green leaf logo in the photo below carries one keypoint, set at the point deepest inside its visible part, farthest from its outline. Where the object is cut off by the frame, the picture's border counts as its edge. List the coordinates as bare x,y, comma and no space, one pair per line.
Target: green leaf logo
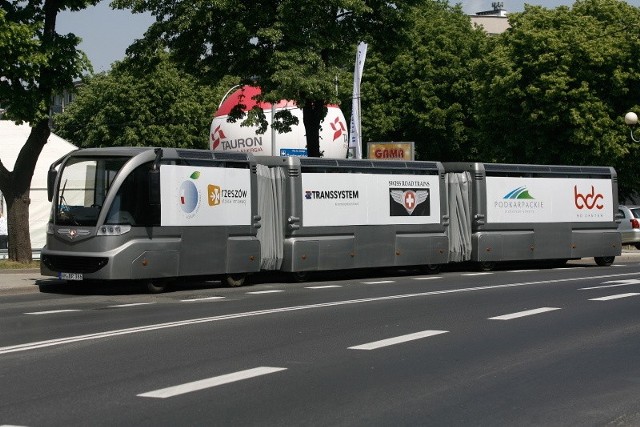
195,175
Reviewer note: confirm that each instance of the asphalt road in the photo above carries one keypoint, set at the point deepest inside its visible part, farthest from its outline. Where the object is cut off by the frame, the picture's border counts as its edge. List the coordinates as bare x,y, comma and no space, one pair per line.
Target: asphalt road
514,347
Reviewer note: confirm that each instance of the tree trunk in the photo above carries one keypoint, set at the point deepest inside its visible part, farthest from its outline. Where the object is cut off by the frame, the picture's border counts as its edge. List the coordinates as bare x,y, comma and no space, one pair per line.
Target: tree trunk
18,226
16,188
312,114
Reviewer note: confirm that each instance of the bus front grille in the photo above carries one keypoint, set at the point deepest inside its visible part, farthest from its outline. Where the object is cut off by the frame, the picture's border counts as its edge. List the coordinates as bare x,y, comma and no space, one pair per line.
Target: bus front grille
74,264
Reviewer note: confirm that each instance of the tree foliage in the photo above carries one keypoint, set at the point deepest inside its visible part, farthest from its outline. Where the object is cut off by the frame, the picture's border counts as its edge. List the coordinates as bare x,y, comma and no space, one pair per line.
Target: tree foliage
556,86
420,87
141,104
35,63
296,50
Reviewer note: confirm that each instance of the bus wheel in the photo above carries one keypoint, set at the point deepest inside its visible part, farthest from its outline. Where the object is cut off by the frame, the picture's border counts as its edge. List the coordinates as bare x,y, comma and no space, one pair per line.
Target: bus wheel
604,261
157,286
431,268
299,276
235,280
486,266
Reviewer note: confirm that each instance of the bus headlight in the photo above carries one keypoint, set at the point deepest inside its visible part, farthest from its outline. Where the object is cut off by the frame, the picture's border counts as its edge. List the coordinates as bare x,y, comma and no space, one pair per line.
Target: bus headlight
113,230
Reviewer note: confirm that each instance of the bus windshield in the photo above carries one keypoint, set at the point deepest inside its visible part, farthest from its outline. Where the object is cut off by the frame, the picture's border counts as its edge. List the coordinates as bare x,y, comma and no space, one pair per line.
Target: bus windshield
83,187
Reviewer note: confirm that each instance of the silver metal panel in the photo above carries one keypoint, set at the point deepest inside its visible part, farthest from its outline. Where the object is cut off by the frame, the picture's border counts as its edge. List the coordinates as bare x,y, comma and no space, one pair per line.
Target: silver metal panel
243,255
154,264
595,243
421,249
503,246
375,246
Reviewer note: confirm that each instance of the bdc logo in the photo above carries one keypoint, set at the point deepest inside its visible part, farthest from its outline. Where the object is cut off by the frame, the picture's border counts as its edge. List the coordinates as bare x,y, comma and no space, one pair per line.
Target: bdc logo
588,201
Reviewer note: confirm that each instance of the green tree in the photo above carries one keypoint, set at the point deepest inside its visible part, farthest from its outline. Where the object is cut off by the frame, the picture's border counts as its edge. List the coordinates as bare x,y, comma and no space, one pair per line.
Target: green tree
297,50
35,63
141,104
420,89
556,86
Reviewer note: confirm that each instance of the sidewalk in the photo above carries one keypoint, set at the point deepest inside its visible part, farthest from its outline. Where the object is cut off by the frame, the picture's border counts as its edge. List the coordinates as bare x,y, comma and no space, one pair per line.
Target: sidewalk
27,281
22,281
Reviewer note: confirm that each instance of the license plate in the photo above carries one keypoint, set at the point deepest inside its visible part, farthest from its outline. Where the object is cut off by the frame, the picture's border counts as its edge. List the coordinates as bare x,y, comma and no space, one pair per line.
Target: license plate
70,276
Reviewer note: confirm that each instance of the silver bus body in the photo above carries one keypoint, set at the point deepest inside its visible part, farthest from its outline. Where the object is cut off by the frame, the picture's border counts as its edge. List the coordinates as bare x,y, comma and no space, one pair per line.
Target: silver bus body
159,214
536,212
89,238
346,214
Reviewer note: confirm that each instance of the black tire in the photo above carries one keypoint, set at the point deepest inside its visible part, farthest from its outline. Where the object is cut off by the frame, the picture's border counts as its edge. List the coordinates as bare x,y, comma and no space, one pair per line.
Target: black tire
431,268
604,261
235,280
637,245
486,266
156,286
299,276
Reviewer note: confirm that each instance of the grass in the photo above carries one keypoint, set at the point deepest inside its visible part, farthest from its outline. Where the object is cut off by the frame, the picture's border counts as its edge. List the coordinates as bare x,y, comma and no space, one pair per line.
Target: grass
6,264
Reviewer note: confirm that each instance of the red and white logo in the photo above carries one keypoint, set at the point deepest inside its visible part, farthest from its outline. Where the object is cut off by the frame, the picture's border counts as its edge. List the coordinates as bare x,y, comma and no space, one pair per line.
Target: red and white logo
338,128
589,200
409,199
216,136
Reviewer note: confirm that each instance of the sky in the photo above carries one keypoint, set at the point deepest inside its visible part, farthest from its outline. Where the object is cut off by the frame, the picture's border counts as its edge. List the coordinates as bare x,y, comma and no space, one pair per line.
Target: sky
107,33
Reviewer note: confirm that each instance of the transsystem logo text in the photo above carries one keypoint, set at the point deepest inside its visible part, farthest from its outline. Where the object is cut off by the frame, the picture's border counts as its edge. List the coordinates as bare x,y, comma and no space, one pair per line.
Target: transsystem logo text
331,194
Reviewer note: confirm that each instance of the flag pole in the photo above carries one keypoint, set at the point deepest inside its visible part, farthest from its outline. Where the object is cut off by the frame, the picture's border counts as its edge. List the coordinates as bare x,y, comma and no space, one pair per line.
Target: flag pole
355,137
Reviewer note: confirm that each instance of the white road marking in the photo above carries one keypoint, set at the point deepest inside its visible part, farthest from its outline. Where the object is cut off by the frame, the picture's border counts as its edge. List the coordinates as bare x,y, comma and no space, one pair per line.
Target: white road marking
616,283
37,313
524,313
611,297
477,274
523,271
133,304
201,299
427,278
106,334
323,287
379,282
210,382
396,340
273,291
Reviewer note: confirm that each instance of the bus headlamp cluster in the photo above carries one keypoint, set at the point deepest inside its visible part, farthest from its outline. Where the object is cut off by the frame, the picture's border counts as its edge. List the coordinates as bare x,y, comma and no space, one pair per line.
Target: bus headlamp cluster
113,230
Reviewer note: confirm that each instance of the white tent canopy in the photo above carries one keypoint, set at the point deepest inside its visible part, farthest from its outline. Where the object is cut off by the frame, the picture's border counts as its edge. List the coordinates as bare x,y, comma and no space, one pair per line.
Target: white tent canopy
12,139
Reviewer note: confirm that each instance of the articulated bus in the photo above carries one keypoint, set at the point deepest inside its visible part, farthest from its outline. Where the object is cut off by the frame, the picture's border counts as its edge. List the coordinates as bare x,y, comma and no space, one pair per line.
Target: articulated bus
155,215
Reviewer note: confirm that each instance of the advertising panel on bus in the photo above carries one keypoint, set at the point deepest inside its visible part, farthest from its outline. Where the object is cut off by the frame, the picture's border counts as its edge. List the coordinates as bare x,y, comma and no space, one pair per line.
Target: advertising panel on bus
544,200
196,196
362,199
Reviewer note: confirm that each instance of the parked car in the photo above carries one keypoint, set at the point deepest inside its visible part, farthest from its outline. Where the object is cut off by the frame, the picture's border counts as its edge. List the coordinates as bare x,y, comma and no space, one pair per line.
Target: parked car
629,227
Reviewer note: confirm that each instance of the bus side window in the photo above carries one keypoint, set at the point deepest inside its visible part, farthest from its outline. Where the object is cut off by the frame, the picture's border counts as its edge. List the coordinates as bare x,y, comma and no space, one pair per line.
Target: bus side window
132,205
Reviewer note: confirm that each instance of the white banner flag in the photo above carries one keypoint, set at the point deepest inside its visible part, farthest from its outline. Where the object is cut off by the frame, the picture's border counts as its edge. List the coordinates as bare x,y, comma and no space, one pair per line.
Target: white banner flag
355,139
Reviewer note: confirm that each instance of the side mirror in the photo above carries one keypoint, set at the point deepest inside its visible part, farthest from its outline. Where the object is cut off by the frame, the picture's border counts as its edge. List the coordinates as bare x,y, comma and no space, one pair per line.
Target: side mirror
52,174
